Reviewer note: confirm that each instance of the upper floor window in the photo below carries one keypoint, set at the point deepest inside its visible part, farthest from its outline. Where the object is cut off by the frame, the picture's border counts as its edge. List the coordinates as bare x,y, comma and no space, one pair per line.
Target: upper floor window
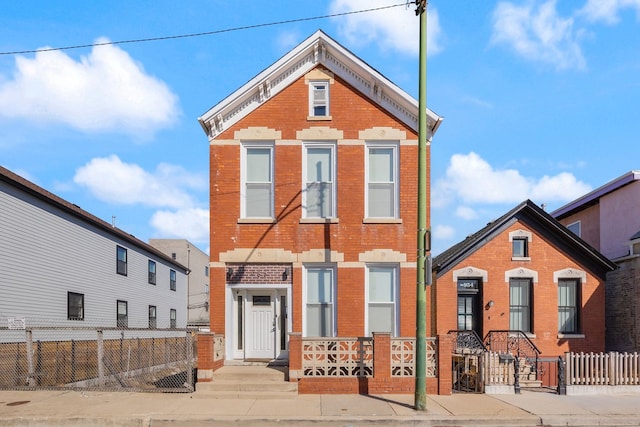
382,299
122,261
75,306
172,280
257,182
520,248
319,98
382,182
575,228
206,270
122,314
520,241
152,272
568,306
319,301
318,196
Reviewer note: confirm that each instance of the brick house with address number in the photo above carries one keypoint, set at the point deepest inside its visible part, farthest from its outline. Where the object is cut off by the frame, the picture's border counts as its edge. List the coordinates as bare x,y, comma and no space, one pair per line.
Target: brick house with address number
524,272
313,202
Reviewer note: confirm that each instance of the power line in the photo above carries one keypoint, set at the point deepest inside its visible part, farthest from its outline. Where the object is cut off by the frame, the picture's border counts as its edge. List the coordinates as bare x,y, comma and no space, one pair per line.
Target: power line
208,33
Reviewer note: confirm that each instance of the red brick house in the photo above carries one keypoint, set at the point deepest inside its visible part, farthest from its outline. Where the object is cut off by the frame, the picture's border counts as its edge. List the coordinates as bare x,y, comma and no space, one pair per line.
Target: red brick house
524,272
313,203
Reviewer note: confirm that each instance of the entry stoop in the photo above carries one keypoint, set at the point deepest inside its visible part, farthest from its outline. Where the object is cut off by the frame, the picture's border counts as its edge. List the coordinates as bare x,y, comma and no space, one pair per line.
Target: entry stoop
252,381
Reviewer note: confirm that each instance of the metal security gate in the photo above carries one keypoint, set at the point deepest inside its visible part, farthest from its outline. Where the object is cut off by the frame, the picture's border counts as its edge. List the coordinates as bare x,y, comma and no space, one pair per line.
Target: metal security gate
467,362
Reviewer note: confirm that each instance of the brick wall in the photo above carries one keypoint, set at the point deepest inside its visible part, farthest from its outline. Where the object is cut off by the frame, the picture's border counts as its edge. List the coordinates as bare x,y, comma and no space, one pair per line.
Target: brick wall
545,258
622,307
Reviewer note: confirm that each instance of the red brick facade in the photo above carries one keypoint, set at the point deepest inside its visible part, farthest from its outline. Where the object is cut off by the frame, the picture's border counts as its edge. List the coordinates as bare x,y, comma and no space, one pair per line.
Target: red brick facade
549,260
254,259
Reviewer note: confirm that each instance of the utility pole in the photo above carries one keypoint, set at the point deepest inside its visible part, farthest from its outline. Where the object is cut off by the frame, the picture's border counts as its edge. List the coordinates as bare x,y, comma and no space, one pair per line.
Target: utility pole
421,273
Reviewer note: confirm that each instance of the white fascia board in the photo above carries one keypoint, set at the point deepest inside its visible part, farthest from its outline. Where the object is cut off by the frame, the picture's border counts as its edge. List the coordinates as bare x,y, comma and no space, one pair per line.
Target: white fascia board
316,49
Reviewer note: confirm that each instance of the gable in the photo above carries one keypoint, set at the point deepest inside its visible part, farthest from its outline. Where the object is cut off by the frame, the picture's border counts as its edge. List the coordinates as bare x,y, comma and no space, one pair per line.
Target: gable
288,111
317,50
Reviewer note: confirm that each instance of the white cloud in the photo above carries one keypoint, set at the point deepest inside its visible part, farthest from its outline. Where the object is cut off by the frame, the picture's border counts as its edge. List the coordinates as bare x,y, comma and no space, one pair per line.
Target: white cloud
470,179
111,180
191,224
104,91
465,212
396,28
607,10
443,232
538,33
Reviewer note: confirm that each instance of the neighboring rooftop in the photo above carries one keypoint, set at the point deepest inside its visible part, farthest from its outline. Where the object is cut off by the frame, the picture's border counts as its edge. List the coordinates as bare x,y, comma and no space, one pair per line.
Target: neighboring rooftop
29,187
593,197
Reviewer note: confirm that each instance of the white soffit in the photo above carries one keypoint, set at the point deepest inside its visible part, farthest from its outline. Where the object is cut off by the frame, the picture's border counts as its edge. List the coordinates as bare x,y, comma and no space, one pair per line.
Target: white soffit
319,49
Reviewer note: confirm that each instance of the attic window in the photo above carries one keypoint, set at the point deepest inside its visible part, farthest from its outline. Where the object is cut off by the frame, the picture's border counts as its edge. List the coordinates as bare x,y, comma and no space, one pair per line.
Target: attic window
319,98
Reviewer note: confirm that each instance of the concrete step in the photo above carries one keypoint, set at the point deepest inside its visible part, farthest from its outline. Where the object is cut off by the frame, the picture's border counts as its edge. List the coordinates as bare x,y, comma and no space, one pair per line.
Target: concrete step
251,381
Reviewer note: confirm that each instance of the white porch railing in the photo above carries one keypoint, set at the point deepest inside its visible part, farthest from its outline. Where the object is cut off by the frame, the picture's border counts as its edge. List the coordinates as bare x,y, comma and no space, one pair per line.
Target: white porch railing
603,368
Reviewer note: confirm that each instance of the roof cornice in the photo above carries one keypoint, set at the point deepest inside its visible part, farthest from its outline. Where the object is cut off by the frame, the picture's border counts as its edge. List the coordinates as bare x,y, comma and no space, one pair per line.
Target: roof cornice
318,49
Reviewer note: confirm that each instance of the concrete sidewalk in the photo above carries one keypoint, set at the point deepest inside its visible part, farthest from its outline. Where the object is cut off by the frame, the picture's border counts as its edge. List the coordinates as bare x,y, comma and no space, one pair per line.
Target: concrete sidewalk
74,408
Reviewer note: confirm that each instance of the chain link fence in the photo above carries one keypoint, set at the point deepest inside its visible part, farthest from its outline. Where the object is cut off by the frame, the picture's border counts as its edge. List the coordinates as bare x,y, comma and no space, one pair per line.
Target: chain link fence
39,354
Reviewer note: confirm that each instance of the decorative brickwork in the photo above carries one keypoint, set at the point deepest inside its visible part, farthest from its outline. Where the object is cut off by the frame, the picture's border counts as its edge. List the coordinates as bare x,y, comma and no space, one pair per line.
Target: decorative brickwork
254,274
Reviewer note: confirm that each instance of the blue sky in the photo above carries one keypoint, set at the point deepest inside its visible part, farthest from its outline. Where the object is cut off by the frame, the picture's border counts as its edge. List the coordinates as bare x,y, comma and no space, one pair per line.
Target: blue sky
540,99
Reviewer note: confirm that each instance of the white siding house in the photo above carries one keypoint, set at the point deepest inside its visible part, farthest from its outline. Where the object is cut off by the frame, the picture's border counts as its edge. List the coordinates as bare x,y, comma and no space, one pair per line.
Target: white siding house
62,266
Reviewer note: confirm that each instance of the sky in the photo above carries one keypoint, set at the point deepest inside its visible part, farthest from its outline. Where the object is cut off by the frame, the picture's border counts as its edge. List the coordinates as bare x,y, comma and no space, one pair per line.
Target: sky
540,98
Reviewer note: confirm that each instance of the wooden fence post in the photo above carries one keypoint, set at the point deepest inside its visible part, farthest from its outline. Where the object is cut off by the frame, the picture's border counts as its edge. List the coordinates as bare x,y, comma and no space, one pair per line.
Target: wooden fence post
100,341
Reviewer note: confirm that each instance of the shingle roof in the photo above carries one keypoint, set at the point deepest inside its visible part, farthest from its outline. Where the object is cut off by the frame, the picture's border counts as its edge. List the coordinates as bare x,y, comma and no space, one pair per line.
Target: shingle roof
29,187
536,218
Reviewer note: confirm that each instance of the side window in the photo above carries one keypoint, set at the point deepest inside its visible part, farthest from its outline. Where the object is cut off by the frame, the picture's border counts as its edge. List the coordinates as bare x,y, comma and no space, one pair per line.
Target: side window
381,182
173,318
152,317
575,228
257,182
568,306
121,267
152,272
75,306
172,280
319,98
123,314
318,195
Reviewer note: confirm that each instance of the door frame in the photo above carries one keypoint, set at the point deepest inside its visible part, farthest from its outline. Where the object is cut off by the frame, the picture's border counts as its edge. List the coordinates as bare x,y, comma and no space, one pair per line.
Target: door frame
280,294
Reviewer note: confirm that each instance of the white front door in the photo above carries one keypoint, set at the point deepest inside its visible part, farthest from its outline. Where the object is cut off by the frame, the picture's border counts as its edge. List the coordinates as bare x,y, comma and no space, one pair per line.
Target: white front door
261,325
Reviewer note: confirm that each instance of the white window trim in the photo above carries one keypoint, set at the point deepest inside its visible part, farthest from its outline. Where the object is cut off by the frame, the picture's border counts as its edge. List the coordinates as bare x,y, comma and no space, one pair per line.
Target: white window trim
324,144
396,166
579,224
334,287
243,178
396,292
312,84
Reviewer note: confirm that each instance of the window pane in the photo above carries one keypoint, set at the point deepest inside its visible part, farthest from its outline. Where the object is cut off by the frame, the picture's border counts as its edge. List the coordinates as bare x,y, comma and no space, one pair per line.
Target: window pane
568,306
319,286
319,320
381,200
258,200
122,308
381,318
258,165
519,247
319,200
319,165
381,284
381,165
519,305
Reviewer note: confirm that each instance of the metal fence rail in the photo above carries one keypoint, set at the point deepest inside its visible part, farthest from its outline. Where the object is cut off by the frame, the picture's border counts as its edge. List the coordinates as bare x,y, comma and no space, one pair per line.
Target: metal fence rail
65,357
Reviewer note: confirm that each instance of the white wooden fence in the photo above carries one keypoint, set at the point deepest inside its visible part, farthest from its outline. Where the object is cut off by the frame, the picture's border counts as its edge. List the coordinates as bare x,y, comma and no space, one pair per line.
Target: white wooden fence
603,368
